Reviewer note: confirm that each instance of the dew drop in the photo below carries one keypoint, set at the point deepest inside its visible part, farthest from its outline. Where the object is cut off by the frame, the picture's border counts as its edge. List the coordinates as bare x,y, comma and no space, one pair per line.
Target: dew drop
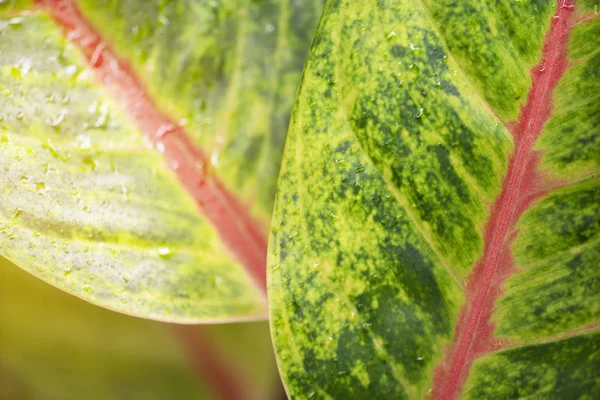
165,253
164,129
214,159
15,23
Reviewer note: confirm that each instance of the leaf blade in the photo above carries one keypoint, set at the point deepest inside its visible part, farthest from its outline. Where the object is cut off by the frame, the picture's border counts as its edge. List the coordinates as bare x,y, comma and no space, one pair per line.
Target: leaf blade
360,280
99,213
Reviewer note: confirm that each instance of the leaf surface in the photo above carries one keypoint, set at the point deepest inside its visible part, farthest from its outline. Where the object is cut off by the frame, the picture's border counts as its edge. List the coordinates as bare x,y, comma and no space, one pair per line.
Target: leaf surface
56,347
90,204
437,222
228,70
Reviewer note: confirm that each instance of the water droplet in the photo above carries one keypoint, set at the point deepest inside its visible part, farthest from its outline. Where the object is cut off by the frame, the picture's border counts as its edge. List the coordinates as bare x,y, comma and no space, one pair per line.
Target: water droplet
56,121
70,70
164,129
174,164
16,22
214,159
25,67
165,252
163,20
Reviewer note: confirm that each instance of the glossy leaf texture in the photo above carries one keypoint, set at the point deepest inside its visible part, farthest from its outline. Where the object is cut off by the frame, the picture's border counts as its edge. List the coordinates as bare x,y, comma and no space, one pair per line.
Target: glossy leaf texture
228,70
436,230
56,347
139,143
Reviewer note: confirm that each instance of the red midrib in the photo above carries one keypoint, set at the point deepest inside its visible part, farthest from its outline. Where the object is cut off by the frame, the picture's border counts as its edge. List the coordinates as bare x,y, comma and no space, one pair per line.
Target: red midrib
474,332
242,235
226,378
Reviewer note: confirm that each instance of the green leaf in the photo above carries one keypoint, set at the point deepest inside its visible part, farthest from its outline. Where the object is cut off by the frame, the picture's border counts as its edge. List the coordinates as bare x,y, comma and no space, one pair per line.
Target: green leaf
90,99
436,229
56,347
229,69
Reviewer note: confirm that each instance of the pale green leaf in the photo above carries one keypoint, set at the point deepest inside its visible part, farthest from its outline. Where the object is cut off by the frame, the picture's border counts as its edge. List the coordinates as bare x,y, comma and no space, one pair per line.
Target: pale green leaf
89,205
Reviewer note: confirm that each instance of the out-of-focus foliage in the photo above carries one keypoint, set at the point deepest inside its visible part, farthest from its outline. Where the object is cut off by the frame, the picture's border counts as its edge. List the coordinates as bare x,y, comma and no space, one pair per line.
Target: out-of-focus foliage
54,346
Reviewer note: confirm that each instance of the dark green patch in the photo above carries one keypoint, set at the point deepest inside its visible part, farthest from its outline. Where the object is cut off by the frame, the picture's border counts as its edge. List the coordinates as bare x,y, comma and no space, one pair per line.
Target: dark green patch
566,369
571,140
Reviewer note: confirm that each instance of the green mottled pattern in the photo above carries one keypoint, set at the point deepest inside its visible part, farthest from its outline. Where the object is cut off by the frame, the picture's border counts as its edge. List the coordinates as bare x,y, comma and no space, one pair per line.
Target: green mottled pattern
555,292
56,347
496,43
570,141
567,369
590,5
88,206
396,150
556,289
228,69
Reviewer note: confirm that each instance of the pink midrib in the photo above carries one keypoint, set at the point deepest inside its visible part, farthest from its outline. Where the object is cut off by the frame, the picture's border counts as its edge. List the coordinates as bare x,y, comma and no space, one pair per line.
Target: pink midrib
474,332
243,236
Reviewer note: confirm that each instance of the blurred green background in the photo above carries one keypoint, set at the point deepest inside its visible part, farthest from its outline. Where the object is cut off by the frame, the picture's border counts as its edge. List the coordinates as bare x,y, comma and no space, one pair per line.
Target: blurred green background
56,346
